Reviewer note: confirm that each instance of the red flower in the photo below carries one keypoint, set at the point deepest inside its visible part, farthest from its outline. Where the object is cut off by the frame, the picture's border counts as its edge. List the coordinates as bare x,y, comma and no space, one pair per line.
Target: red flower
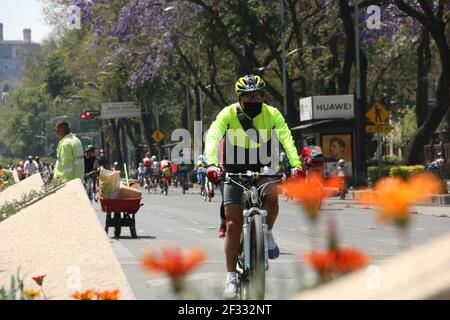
39,279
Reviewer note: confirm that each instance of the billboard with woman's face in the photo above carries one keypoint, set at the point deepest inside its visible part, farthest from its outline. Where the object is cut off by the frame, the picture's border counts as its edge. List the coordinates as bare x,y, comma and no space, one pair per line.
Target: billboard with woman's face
334,148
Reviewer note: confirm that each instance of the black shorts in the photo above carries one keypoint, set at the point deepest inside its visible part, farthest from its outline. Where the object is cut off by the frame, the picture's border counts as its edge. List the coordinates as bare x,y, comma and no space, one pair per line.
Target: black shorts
232,193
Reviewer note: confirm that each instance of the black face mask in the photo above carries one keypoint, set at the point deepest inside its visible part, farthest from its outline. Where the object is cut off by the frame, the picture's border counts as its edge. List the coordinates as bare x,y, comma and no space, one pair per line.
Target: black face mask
252,109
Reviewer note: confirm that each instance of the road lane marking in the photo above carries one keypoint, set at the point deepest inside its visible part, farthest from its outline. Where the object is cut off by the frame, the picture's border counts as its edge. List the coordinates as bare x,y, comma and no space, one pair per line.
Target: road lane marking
194,230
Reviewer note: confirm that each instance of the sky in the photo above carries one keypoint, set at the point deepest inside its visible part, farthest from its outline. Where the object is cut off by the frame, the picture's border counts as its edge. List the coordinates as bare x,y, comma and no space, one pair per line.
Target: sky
17,15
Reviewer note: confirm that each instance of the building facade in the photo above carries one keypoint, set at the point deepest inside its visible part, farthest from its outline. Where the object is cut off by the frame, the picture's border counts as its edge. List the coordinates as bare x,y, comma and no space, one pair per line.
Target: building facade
12,53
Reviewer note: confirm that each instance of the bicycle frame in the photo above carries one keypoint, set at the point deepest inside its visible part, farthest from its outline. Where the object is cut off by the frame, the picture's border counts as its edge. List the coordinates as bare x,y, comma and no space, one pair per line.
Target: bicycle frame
254,207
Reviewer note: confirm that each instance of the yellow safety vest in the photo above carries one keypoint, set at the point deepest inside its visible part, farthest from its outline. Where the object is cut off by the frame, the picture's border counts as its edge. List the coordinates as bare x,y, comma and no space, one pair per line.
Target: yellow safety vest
70,154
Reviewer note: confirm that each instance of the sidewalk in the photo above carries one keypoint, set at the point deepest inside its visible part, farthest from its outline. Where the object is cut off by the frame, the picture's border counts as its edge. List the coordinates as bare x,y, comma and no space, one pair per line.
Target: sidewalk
437,199
432,209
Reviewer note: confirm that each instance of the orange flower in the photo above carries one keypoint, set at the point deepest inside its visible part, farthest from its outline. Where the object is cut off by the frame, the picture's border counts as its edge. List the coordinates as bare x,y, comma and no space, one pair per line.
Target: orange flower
394,196
349,259
108,295
311,191
322,262
32,293
340,259
173,261
86,295
39,279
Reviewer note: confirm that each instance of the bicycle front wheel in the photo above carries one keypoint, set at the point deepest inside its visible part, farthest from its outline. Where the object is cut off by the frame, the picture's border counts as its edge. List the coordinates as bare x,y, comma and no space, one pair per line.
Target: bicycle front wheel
257,272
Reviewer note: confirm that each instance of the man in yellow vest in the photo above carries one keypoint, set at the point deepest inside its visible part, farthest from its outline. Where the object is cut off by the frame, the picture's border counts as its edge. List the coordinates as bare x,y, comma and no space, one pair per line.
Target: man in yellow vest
70,154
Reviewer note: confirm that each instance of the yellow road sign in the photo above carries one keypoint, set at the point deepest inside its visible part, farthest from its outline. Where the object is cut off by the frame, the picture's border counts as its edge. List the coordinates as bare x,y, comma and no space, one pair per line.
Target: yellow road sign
383,128
157,135
378,113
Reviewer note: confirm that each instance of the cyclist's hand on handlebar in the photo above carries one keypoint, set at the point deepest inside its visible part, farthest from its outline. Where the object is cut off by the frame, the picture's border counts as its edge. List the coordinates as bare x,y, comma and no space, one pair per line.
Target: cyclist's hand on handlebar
298,172
213,174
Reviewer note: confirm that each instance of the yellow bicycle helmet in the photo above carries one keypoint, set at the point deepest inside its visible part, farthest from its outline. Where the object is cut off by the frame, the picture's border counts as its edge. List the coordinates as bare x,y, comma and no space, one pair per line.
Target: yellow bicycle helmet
249,83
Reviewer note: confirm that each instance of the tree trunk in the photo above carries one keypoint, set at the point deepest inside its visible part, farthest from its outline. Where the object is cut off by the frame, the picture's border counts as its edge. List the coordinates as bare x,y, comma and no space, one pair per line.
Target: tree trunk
344,78
423,69
116,133
124,144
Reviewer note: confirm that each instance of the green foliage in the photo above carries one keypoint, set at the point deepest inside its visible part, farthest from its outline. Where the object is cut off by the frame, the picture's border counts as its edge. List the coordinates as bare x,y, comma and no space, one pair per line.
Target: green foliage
387,161
405,171
394,171
26,112
372,172
56,77
10,208
404,128
15,290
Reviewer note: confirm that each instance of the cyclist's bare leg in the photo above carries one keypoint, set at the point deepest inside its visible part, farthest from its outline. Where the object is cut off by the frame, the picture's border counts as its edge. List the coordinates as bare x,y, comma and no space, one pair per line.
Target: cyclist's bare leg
234,220
271,205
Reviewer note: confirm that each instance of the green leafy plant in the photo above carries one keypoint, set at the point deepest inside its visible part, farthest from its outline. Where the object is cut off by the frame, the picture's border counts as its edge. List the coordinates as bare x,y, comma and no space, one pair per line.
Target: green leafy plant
15,290
10,208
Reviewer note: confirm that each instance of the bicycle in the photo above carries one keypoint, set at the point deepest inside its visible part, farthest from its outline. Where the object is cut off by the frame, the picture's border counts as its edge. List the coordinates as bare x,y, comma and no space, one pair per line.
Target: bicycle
141,180
253,259
183,182
88,185
165,185
154,185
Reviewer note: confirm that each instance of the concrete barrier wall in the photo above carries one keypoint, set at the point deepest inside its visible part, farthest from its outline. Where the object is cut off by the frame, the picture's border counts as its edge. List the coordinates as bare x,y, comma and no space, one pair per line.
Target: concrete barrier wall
422,272
25,186
60,236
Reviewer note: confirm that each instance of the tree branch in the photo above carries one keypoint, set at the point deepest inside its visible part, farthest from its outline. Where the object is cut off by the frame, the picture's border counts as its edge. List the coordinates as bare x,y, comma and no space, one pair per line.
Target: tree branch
412,12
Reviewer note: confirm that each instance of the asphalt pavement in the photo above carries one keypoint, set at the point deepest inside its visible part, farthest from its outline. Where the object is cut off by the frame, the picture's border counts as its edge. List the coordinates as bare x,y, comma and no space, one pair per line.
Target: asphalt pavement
188,221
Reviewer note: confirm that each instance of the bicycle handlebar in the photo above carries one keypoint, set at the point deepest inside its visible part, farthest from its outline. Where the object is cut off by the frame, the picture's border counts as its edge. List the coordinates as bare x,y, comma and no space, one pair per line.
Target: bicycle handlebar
253,175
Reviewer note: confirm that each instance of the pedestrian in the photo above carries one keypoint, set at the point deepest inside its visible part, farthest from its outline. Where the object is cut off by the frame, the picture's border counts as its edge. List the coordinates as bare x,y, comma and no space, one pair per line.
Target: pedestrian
39,164
103,160
20,171
30,166
70,154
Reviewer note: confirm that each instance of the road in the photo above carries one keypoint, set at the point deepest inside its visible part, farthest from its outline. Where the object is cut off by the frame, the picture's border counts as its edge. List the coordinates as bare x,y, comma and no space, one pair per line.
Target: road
188,221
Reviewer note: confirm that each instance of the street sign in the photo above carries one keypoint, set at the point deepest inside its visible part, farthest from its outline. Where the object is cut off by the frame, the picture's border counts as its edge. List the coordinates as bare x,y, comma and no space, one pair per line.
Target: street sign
378,113
383,128
115,110
157,135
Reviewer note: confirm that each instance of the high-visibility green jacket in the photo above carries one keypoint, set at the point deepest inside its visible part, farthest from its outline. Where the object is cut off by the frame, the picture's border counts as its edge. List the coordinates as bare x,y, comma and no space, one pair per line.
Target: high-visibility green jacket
70,162
269,119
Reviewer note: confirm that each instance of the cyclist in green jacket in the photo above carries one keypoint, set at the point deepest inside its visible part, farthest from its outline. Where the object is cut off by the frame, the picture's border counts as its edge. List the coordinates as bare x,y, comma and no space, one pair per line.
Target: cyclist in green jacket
264,118
70,154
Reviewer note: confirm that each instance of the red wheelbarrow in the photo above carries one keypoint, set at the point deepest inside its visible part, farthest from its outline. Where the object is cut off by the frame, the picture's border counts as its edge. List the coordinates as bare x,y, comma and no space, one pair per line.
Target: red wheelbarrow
120,213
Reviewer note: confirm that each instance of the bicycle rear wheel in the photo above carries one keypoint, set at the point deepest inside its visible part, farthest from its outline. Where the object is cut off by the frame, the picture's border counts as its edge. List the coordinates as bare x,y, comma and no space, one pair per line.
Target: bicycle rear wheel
256,285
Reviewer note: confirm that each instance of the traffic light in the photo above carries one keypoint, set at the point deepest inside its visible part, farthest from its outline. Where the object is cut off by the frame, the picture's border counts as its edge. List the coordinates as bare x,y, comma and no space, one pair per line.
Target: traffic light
90,114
